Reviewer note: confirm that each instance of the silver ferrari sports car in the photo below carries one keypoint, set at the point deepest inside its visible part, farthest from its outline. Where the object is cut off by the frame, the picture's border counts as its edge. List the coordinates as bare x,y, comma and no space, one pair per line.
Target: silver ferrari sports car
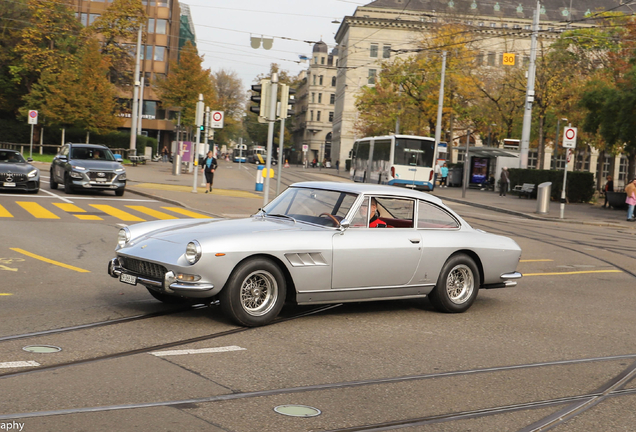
316,243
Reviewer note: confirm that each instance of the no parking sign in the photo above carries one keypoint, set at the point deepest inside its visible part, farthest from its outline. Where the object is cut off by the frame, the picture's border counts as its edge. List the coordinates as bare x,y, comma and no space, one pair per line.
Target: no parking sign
33,117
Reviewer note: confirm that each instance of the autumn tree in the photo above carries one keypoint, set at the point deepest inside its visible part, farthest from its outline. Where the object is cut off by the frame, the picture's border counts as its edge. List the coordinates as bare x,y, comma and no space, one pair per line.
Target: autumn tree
230,98
117,26
49,42
80,96
14,14
182,86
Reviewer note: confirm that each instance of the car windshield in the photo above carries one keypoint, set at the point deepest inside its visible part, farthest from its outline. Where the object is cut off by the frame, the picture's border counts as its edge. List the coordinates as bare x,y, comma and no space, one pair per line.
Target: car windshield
317,206
85,153
11,157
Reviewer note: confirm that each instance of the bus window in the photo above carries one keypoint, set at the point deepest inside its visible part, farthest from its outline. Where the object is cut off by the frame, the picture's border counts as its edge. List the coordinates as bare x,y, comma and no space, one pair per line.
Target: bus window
414,152
382,150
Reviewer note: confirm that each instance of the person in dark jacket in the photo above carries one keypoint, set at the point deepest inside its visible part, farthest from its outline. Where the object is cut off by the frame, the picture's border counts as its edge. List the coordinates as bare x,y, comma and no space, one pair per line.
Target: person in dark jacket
375,221
208,166
609,187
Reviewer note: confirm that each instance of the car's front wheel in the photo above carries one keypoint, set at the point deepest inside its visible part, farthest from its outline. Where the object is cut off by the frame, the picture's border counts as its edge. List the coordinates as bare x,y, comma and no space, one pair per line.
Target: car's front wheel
68,187
457,285
52,181
254,293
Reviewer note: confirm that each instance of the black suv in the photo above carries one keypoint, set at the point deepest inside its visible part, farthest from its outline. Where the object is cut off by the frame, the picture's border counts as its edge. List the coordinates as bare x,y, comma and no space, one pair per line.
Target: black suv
87,167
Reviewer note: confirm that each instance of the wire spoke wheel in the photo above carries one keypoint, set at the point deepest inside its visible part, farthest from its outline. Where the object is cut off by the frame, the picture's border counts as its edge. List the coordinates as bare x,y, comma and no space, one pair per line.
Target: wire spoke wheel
460,284
259,292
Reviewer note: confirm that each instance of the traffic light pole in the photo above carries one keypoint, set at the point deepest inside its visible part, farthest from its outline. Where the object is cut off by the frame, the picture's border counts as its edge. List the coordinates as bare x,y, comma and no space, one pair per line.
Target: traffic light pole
280,154
199,122
271,118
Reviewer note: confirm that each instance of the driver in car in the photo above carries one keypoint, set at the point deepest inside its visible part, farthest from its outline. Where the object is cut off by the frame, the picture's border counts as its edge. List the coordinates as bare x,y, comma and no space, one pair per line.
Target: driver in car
374,221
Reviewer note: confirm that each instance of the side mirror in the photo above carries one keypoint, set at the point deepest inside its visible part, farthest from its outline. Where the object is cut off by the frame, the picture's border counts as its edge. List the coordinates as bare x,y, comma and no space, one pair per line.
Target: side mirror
344,224
62,158
29,160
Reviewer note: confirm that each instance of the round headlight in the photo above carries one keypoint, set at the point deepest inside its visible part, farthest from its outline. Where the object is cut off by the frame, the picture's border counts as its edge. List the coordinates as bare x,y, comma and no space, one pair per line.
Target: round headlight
123,237
193,252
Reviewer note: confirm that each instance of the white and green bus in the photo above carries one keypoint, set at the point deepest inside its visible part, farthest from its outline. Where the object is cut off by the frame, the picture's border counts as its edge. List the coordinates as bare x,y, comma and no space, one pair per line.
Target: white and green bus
399,160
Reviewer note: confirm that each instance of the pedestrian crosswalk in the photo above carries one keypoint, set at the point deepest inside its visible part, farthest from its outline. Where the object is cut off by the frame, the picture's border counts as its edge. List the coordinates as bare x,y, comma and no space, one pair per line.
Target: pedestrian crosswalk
93,212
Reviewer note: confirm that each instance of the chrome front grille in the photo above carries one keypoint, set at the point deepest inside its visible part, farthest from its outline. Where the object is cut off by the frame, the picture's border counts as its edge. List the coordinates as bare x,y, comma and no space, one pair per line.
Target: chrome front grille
143,268
100,175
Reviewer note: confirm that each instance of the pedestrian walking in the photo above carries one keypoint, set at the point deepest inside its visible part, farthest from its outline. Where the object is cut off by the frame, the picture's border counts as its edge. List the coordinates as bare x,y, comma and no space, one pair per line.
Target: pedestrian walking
630,190
444,173
609,187
436,170
504,180
164,154
208,166
338,166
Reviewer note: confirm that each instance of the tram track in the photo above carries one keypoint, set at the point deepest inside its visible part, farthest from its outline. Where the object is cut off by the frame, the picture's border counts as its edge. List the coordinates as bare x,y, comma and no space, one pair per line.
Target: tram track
158,347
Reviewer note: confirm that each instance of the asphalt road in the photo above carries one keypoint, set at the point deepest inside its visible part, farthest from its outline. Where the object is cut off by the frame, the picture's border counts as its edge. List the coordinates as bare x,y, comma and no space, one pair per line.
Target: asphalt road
521,358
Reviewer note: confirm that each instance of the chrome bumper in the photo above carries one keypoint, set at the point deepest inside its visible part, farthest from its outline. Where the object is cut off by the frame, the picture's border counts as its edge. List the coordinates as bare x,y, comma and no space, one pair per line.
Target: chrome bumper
169,284
507,283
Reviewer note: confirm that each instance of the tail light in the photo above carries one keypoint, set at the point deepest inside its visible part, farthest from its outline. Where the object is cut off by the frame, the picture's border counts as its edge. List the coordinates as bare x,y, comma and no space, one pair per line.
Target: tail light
393,171
430,176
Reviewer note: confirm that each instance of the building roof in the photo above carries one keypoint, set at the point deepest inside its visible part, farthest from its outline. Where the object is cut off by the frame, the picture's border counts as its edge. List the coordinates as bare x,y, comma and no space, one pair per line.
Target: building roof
552,10
321,47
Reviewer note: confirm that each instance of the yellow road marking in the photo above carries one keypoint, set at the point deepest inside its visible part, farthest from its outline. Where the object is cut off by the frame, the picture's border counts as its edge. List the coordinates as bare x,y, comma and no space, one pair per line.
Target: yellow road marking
179,188
571,273
537,260
5,294
187,213
72,208
151,212
37,210
41,258
4,212
119,214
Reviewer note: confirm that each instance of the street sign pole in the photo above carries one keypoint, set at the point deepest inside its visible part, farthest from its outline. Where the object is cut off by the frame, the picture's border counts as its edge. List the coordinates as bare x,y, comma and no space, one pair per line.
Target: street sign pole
33,120
199,122
31,143
569,142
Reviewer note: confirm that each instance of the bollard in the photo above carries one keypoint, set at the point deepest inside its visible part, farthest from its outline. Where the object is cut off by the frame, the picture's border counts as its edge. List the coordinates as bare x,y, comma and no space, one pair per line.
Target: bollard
543,198
176,164
259,178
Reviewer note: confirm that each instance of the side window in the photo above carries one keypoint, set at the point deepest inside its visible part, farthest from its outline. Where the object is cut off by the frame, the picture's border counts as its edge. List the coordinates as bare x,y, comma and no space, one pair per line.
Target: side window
361,216
396,212
431,216
64,151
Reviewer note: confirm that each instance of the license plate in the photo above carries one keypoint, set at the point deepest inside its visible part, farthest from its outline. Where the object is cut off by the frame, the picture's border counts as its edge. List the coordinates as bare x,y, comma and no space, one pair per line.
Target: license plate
101,179
126,278
9,184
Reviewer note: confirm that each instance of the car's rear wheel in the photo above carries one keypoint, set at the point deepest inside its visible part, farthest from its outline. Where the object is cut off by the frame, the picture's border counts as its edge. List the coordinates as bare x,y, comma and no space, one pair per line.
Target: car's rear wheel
52,182
457,285
68,188
254,293
167,298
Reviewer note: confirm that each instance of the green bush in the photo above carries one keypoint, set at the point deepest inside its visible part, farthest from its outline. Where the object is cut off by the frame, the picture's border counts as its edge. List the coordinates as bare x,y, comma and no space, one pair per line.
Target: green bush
580,187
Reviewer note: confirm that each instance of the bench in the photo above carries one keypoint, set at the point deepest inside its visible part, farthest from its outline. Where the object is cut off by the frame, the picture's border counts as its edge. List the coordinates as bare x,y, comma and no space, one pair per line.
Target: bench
137,160
526,189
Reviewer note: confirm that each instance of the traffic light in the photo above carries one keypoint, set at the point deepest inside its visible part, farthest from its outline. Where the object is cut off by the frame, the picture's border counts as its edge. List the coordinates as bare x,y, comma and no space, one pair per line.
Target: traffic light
202,128
262,97
286,99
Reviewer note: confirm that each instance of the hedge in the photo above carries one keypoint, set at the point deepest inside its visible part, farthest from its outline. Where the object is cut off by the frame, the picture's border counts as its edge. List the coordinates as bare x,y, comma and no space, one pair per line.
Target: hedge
580,187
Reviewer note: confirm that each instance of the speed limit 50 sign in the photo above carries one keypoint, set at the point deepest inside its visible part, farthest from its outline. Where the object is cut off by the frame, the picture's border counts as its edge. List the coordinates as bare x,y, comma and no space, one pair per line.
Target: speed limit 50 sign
569,137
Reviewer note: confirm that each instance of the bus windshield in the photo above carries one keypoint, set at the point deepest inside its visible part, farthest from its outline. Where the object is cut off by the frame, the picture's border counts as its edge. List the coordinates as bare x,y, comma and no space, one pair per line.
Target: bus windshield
414,152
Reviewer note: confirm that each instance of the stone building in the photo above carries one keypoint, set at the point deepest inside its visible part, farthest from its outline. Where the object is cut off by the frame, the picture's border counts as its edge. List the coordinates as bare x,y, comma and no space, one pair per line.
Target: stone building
383,29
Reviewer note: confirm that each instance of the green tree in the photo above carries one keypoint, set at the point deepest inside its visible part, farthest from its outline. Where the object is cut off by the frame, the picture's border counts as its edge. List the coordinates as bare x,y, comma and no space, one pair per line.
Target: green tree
182,86
14,14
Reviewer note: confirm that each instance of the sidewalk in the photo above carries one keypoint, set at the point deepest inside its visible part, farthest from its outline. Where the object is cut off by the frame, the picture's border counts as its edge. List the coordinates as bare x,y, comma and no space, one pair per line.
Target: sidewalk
233,195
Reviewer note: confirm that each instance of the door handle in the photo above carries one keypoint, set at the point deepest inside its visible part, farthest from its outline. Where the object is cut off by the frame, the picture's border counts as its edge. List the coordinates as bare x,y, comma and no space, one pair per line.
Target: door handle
415,240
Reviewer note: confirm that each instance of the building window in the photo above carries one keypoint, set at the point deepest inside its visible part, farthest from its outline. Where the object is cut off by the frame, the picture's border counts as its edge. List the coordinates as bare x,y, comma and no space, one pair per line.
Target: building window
560,162
332,98
314,79
92,18
622,169
386,51
526,61
333,81
532,158
479,60
371,77
160,53
147,77
161,26
581,163
493,24
146,52
311,115
373,51
162,3
526,27
322,60
317,115
330,116
151,25
84,19
315,59
606,166
491,59
320,80
319,97
313,98
480,24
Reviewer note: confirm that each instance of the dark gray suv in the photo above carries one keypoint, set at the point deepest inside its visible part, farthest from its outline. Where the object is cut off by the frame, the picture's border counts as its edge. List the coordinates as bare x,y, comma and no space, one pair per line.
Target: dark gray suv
87,167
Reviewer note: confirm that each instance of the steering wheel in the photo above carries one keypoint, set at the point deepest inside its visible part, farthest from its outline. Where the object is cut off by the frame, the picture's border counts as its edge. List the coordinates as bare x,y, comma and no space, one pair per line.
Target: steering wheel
332,217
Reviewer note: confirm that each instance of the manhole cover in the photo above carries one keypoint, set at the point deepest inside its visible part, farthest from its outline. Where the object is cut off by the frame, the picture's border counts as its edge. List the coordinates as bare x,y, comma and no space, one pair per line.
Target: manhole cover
297,410
42,349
